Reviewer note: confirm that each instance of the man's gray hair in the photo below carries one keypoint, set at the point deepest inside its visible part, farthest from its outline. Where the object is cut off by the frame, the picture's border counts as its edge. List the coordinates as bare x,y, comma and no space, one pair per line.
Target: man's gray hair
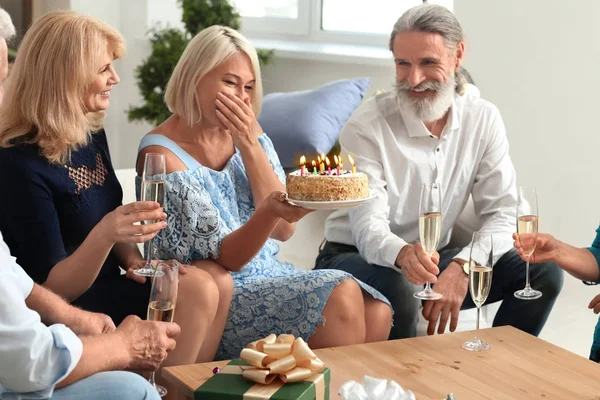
432,18
7,29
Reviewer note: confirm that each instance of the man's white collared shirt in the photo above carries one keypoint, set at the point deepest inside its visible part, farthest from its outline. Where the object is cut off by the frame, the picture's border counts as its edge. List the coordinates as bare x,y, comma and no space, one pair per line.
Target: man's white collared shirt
33,356
399,155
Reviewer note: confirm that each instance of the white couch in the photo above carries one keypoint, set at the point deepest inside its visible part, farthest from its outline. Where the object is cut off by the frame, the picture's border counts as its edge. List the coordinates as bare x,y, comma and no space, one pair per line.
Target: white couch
301,250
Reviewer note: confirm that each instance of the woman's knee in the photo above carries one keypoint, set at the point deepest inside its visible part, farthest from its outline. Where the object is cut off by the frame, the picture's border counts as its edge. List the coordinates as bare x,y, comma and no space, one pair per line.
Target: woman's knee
198,287
378,312
378,319
346,305
220,275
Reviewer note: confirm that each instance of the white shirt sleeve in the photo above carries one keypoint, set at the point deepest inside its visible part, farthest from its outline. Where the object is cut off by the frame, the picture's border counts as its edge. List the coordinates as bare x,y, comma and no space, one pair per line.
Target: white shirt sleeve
370,222
494,190
33,357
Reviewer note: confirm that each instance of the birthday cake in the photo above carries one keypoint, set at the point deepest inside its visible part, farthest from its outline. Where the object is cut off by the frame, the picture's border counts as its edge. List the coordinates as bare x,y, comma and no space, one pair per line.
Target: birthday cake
323,187
331,184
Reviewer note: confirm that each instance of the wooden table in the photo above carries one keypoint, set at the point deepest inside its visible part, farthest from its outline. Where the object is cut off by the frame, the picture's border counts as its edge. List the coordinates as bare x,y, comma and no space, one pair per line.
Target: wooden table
519,366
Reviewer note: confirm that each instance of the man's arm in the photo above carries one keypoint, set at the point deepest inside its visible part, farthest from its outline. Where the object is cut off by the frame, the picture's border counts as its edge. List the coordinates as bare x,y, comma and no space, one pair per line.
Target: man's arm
51,307
33,357
136,345
370,222
54,310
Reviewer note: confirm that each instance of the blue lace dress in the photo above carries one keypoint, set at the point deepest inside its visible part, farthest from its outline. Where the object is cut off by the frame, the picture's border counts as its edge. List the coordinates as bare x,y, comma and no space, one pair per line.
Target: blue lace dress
204,206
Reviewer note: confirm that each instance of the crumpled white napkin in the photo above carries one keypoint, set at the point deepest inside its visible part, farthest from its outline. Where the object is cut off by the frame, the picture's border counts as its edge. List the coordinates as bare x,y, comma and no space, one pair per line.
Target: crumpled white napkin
374,389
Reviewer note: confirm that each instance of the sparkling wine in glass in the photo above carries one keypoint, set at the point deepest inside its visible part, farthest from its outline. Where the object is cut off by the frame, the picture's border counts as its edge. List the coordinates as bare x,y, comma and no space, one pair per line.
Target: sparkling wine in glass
153,189
527,230
481,264
430,229
163,297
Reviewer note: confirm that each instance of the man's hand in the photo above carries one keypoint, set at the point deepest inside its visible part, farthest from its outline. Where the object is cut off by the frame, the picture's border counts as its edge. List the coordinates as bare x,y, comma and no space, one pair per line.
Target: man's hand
452,284
147,342
416,265
595,304
86,323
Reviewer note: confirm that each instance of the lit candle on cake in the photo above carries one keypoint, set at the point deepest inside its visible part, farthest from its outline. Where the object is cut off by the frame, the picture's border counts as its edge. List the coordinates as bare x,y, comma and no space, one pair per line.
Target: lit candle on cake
328,165
314,167
337,164
352,162
302,168
341,163
322,164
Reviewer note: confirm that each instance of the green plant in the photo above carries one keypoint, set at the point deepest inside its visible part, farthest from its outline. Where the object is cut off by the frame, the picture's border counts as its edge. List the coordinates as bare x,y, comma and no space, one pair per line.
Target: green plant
167,45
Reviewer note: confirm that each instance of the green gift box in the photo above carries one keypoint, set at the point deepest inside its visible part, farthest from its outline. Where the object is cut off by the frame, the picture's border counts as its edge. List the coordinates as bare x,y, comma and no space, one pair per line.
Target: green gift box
229,384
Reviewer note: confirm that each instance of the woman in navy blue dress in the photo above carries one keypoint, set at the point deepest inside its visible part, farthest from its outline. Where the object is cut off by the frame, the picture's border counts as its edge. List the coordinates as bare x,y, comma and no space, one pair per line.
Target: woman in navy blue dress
60,208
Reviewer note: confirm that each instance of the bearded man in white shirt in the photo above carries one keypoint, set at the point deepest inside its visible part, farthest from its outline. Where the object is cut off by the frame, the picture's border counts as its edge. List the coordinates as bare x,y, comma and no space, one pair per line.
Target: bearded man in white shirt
423,132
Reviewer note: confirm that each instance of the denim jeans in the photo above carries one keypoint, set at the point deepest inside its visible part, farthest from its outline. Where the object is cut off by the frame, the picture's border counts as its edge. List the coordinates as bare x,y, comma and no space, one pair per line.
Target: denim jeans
508,276
109,385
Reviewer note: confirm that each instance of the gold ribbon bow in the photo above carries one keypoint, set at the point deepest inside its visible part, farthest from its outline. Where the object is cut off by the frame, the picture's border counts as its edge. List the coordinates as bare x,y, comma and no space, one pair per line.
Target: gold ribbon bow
282,356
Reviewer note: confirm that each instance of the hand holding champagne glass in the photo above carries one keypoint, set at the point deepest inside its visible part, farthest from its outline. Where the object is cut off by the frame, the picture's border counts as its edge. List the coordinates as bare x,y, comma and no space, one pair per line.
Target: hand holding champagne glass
430,229
153,189
527,230
163,297
481,263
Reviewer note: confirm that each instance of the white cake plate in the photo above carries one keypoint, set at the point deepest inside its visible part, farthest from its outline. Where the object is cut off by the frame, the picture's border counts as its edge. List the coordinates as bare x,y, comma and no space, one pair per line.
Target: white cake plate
329,205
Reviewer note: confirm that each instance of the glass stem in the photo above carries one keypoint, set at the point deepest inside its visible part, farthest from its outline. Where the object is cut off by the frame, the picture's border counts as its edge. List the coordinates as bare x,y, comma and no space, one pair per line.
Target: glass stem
149,256
427,286
476,339
151,379
527,285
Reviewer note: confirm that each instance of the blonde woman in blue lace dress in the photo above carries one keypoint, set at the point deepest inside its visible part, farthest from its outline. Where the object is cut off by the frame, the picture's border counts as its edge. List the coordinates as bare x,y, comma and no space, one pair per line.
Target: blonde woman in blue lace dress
225,205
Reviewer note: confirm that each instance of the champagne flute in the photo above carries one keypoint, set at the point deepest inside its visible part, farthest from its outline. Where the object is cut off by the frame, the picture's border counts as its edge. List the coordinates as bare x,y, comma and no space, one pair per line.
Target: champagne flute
430,229
481,264
163,297
527,230
153,189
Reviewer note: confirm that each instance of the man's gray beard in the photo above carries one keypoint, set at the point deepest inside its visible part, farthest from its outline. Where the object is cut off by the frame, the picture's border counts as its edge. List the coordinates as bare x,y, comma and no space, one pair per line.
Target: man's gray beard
427,109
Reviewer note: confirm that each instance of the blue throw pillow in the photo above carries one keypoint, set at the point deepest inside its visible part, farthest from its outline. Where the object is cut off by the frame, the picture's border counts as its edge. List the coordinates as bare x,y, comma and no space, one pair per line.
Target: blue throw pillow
309,122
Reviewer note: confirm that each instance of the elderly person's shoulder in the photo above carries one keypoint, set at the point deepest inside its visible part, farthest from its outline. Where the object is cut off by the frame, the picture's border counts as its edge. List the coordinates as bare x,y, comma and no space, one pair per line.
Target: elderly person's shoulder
382,103
472,104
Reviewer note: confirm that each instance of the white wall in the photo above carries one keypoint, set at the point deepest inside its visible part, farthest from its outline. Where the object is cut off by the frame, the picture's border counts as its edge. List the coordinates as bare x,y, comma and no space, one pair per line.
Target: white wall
537,60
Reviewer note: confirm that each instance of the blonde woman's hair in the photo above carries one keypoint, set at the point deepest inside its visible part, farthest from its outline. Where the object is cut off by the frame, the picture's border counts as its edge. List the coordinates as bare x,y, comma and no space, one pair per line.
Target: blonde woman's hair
44,95
208,49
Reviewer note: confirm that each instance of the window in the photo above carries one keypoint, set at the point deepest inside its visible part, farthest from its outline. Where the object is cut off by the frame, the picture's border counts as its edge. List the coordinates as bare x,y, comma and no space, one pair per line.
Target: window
378,18
333,21
268,8
280,16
